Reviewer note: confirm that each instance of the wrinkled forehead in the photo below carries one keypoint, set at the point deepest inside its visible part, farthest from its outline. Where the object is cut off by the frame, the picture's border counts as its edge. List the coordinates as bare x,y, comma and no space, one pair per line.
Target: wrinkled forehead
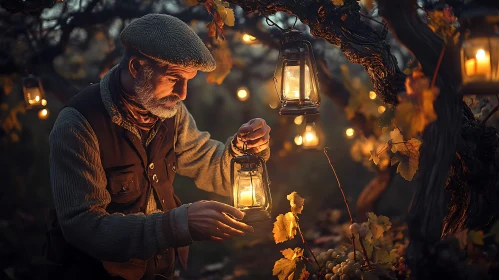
182,71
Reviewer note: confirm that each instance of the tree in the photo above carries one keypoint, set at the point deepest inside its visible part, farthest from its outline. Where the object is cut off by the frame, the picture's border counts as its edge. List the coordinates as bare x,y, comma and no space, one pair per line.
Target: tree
458,158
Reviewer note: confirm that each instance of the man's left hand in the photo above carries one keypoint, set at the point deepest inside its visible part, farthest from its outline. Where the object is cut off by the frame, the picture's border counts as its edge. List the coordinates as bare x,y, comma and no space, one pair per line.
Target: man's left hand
256,134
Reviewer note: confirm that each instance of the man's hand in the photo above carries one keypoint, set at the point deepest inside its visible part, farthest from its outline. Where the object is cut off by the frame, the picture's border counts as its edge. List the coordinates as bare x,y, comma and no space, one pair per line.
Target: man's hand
256,134
209,220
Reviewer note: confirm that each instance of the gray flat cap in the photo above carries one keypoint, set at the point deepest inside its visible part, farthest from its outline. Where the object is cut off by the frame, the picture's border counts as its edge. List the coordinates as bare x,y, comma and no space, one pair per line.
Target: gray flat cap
168,39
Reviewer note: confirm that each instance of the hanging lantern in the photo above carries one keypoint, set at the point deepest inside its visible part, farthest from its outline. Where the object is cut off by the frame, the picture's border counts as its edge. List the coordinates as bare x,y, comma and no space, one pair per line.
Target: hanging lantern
250,188
480,52
295,76
34,95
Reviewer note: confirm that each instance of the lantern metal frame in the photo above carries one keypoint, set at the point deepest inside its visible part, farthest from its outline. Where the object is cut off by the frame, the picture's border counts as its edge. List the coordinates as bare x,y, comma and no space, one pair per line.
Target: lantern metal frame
480,23
295,49
252,162
32,81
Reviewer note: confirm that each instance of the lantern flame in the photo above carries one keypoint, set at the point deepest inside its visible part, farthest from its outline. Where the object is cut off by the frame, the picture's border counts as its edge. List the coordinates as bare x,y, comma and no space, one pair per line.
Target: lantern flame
480,54
349,132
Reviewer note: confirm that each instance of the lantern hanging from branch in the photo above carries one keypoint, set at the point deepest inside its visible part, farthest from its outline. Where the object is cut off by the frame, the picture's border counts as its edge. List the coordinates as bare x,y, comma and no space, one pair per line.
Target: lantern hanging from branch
480,52
34,95
250,188
295,76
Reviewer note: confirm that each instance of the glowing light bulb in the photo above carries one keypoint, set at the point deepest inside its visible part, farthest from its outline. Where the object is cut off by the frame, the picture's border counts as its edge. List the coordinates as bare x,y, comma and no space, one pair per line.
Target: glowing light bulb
242,94
299,120
43,114
349,132
381,109
298,140
310,138
44,102
37,98
372,95
248,38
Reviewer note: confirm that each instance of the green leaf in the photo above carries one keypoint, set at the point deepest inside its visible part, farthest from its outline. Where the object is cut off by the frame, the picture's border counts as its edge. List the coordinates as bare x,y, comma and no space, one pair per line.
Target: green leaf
378,224
383,256
285,227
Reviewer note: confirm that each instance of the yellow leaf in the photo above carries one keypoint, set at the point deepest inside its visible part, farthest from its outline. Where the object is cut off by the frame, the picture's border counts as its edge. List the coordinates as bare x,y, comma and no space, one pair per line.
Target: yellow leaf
475,237
223,59
396,138
285,227
337,2
374,157
296,202
229,18
409,118
290,264
383,256
407,165
192,2
378,224
212,29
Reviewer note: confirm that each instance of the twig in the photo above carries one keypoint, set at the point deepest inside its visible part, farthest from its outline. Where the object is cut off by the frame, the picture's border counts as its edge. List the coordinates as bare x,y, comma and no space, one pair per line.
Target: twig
365,253
339,185
434,79
490,115
306,245
353,245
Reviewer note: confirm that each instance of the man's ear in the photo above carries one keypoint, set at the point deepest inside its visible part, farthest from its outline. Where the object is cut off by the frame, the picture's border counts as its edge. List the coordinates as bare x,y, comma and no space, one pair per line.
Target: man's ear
134,66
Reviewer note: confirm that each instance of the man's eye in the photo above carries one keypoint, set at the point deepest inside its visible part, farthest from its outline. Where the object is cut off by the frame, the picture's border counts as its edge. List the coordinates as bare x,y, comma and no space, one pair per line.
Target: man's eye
173,80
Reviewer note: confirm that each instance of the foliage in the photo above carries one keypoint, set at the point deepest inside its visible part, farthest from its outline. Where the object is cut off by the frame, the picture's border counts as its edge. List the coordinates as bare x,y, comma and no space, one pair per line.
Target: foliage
222,14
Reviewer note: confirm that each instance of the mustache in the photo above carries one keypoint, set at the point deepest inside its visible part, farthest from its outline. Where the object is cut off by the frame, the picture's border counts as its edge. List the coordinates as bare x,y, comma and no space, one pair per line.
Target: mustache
168,99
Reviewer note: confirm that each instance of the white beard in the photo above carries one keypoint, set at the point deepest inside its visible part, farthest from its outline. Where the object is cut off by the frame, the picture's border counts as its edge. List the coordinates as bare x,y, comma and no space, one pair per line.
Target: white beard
144,94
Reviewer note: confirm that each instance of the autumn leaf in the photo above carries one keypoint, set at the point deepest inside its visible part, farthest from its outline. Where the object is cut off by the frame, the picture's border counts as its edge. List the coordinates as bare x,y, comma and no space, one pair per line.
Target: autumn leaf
296,202
407,166
192,2
229,17
378,224
475,237
407,154
285,227
223,59
383,256
291,266
338,2
374,157
212,29
415,110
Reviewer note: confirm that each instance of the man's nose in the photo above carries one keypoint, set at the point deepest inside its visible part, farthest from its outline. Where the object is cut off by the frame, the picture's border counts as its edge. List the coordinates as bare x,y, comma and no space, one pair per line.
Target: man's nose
180,89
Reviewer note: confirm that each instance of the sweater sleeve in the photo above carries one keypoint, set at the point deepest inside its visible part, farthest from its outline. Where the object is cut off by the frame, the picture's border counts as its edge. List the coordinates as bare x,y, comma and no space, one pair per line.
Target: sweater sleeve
80,196
205,160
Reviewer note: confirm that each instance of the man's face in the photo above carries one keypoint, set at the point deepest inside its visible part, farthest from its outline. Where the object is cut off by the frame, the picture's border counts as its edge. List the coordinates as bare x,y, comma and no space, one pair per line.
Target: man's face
160,89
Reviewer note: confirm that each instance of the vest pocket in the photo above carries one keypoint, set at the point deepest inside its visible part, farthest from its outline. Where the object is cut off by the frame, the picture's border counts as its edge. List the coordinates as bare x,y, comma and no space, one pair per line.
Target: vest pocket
123,187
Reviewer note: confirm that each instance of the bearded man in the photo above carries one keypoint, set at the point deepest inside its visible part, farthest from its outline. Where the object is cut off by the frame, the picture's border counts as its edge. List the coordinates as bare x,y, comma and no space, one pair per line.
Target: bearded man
115,149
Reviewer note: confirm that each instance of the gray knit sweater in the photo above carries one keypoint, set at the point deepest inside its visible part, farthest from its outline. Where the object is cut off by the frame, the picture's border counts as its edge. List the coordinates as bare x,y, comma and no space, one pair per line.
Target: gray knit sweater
79,186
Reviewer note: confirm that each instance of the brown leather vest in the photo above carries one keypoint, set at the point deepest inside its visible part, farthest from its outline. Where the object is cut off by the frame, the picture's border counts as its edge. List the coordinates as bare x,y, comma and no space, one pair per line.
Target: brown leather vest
133,172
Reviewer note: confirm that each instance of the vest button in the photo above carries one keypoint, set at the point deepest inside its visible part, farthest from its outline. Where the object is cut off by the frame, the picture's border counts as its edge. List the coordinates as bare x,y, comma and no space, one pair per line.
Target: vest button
151,165
155,178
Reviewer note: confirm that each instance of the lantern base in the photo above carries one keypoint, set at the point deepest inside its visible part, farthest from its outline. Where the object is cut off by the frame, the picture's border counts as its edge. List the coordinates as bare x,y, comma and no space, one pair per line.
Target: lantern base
298,111
255,216
479,88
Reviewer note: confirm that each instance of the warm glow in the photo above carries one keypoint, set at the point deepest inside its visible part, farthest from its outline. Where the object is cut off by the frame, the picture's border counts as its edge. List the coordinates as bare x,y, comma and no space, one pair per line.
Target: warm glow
37,98
43,114
350,132
250,191
298,120
273,105
248,38
310,138
242,94
372,95
381,109
479,65
292,82
480,54
44,102
298,140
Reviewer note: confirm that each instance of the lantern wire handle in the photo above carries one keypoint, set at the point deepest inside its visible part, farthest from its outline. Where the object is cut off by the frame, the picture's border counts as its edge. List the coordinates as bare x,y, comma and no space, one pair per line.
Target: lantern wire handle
272,23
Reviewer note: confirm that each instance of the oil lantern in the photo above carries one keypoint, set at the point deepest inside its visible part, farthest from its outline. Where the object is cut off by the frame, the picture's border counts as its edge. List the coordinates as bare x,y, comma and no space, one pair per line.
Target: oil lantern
295,76
34,95
480,52
250,187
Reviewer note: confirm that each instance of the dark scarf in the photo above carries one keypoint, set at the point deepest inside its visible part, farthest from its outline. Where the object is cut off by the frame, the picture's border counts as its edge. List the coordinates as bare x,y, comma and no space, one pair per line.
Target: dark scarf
134,112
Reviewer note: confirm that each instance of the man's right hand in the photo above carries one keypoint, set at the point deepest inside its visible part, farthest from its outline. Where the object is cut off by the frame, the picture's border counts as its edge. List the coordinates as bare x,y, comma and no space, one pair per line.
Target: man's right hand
209,220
